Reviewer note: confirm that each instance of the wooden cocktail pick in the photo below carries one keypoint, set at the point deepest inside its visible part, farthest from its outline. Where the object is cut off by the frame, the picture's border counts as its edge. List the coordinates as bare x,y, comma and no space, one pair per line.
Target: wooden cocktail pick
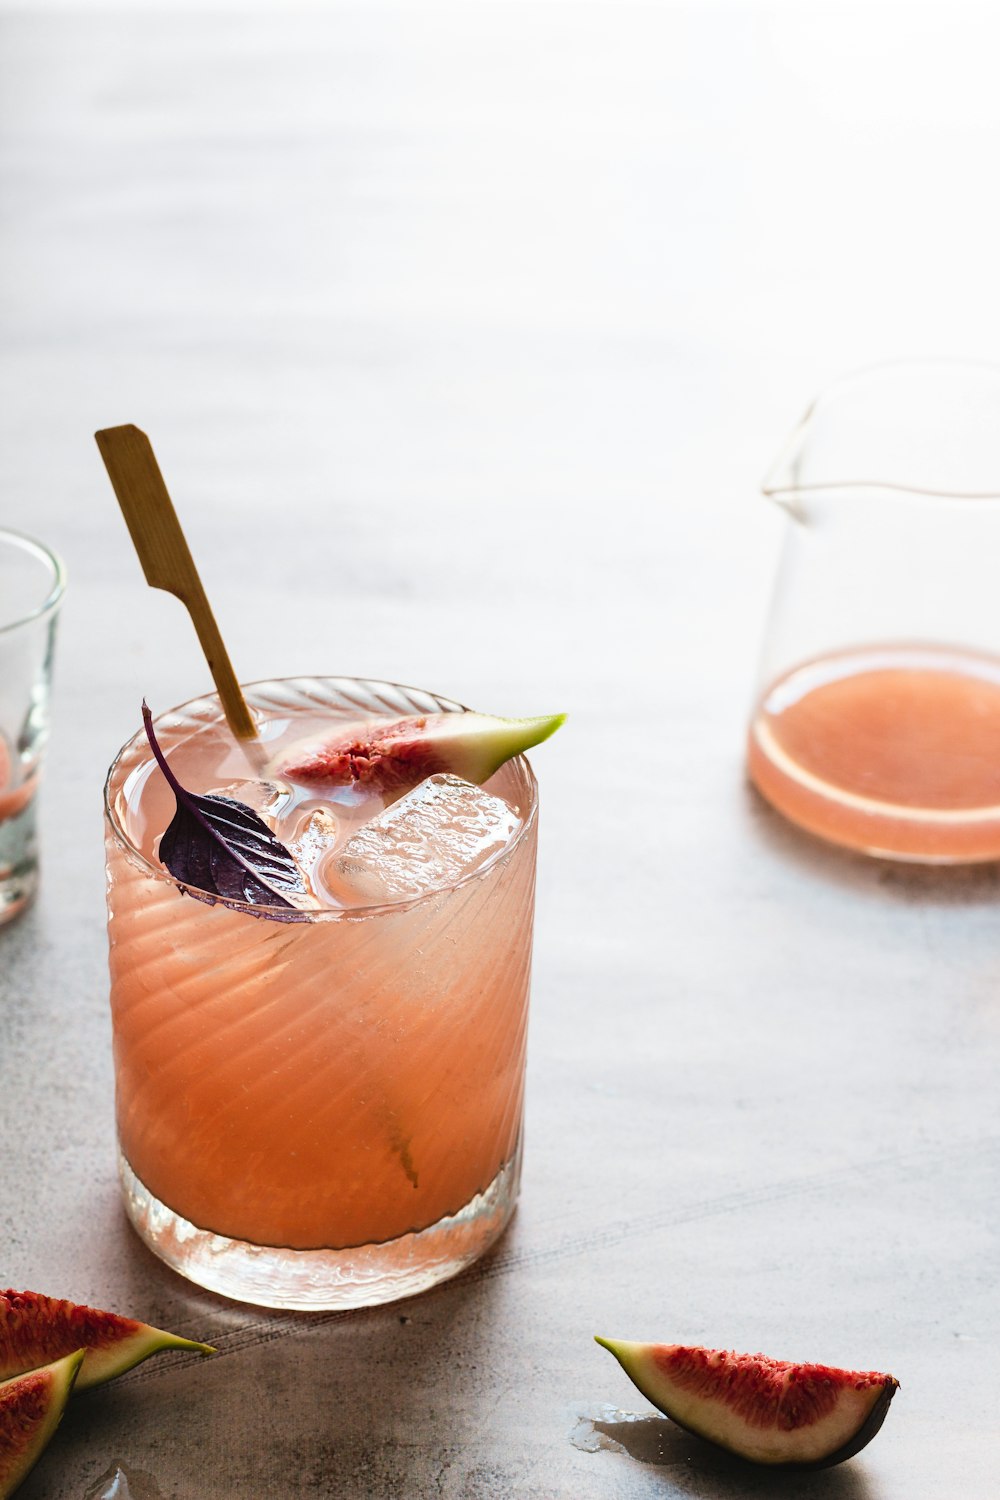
166,559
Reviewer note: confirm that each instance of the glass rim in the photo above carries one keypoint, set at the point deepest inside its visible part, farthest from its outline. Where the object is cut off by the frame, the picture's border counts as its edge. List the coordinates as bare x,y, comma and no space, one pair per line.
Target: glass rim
297,914
57,572
782,492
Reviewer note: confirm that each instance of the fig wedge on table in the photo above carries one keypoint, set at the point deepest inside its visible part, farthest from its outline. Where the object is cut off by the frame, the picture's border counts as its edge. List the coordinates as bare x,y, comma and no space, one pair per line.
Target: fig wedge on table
769,1411
35,1330
31,1408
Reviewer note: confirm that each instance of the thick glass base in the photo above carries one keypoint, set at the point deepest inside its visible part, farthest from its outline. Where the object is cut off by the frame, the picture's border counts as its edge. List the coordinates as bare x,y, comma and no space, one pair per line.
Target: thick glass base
323,1280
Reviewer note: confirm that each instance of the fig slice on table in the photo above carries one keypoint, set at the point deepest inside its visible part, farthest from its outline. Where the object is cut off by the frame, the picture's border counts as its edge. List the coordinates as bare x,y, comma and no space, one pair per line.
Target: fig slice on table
769,1411
35,1330
390,755
31,1408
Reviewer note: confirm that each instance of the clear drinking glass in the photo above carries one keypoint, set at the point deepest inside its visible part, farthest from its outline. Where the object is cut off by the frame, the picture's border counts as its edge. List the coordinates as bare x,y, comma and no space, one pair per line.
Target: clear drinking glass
32,581
877,720
320,1110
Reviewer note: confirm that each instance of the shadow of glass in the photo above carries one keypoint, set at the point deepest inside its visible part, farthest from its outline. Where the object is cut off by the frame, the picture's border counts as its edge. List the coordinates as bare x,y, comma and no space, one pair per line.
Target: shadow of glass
899,880
700,1469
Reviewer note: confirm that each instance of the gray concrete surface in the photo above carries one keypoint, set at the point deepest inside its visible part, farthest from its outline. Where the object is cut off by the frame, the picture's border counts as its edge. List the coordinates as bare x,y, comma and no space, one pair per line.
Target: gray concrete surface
463,333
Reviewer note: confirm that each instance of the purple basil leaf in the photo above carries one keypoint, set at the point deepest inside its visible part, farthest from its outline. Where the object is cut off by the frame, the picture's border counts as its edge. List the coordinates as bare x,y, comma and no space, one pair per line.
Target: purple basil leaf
221,846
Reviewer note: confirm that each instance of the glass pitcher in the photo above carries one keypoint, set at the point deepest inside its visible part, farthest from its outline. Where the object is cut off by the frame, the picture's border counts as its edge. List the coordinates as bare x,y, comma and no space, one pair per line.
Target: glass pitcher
877,718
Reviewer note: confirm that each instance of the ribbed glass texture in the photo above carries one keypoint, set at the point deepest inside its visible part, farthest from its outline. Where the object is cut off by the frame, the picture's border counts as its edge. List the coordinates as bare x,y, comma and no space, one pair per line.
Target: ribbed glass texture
327,1086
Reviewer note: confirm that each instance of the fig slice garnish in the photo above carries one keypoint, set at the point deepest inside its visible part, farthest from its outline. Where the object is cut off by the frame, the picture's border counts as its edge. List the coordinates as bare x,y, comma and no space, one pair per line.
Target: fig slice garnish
392,755
768,1411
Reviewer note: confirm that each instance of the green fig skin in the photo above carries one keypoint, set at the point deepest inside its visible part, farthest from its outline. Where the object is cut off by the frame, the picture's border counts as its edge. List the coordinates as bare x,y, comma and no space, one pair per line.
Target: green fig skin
31,1408
803,1416
35,1329
392,755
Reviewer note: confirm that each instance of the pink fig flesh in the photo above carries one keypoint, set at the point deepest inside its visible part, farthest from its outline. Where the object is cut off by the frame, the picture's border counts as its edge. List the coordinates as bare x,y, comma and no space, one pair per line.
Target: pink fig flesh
392,755
35,1329
31,1408
770,1411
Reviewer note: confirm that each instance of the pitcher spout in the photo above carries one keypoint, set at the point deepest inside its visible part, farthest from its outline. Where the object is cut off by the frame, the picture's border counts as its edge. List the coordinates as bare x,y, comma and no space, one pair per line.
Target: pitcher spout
783,483
919,427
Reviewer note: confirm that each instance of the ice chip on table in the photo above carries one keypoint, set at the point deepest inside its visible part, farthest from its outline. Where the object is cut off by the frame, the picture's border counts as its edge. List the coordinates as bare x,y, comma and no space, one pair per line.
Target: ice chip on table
443,829
121,1483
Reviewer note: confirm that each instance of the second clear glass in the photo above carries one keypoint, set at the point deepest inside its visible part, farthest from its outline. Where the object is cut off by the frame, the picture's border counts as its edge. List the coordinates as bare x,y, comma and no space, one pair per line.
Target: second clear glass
32,582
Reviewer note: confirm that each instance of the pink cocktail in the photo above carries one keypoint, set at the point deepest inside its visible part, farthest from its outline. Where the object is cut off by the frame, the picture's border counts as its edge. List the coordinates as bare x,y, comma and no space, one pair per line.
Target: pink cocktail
321,1107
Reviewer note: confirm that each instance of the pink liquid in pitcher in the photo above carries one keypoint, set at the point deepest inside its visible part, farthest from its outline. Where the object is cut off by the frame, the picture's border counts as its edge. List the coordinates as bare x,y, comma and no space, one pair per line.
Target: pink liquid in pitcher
893,750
